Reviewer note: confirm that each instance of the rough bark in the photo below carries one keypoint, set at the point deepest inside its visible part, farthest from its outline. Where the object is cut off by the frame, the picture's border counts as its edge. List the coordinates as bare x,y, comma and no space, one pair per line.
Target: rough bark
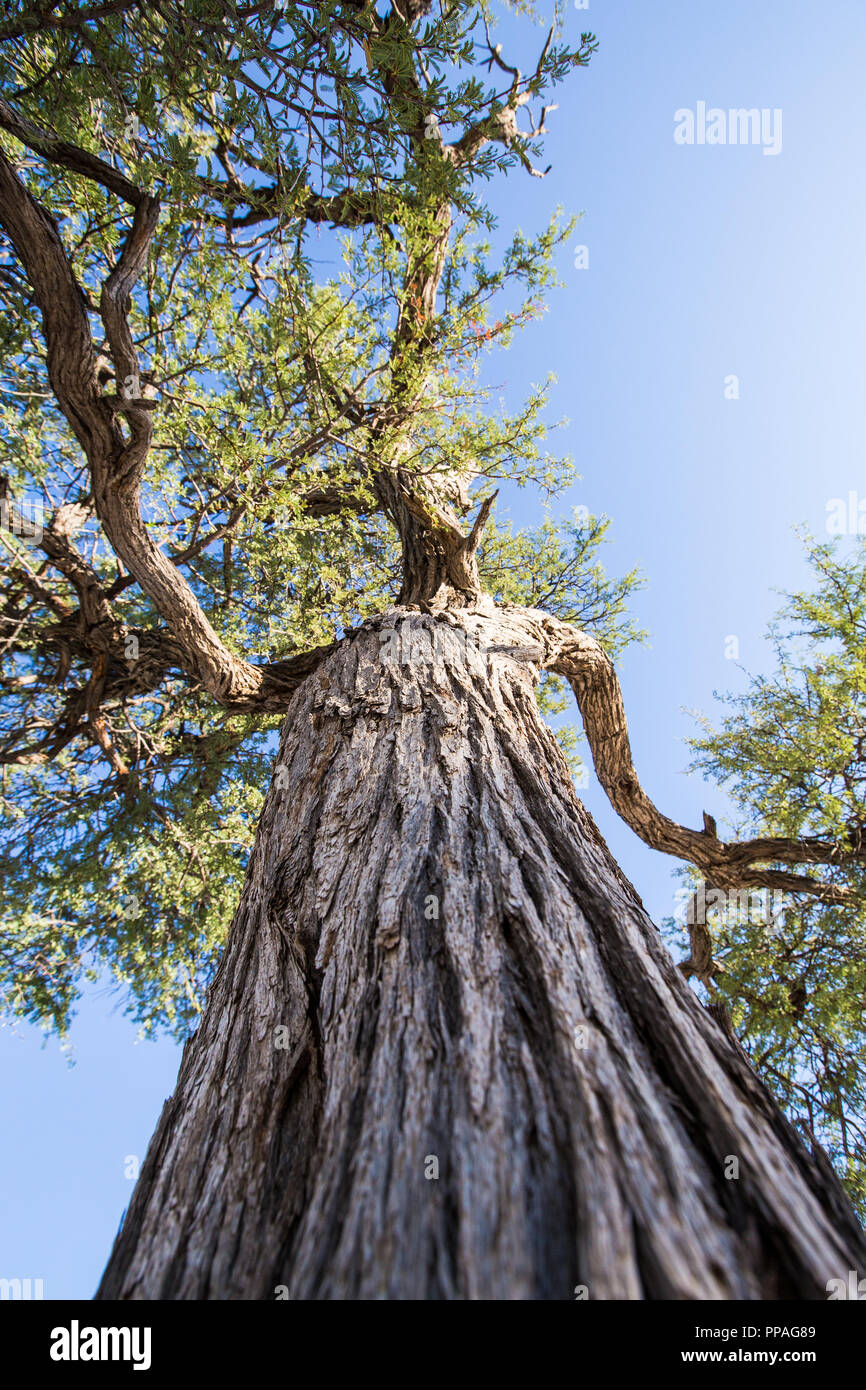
117,457
533,1037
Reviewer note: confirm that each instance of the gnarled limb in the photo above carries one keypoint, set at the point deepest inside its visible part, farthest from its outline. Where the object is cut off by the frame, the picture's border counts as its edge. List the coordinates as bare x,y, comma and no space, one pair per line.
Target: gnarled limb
561,649
68,156
116,462
43,20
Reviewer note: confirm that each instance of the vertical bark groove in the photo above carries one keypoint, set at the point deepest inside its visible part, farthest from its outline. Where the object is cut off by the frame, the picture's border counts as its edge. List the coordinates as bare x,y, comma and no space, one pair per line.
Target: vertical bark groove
533,1037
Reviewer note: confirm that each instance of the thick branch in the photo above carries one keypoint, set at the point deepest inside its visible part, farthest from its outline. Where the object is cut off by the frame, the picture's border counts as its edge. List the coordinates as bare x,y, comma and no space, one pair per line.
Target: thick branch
562,649
349,209
39,21
116,463
49,146
55,540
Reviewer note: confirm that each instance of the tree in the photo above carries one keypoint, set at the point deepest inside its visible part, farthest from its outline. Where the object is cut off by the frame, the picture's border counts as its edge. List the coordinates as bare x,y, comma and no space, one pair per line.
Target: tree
791,750
445,1053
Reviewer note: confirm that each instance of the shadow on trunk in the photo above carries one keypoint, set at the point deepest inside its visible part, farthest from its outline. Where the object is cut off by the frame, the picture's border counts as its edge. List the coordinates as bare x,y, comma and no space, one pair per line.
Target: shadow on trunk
446,1055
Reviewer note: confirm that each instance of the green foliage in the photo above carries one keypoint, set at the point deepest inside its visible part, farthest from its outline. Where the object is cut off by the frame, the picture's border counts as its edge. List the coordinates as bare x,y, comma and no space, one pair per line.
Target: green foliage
555,566
791,751
265,322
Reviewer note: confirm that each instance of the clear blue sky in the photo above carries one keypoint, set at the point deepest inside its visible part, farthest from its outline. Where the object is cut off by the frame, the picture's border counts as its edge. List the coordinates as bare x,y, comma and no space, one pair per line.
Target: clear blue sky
704,261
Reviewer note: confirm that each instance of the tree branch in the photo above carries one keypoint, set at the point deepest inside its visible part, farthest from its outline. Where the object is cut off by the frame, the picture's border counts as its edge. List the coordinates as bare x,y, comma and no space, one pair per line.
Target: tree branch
34,22
565,651
348,209
116,463
49,146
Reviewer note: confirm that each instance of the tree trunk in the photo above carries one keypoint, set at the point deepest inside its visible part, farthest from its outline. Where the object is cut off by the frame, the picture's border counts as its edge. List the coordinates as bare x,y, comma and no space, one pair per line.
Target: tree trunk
446,1055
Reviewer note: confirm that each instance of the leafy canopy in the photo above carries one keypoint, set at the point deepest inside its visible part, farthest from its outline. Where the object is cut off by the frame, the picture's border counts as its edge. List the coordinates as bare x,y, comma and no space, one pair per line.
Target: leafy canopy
296,151
791,752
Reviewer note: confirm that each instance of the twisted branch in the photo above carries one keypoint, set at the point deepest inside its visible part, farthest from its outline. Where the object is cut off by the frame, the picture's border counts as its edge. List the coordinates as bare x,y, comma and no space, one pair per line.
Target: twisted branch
563,650
117,462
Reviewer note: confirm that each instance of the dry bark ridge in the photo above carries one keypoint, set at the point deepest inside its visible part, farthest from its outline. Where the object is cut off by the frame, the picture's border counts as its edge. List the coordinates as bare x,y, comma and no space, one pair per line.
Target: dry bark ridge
463,974
440,570
531,1034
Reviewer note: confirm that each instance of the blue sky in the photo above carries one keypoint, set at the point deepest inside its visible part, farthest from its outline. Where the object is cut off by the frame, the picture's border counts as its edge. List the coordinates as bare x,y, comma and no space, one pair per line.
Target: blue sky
704,262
